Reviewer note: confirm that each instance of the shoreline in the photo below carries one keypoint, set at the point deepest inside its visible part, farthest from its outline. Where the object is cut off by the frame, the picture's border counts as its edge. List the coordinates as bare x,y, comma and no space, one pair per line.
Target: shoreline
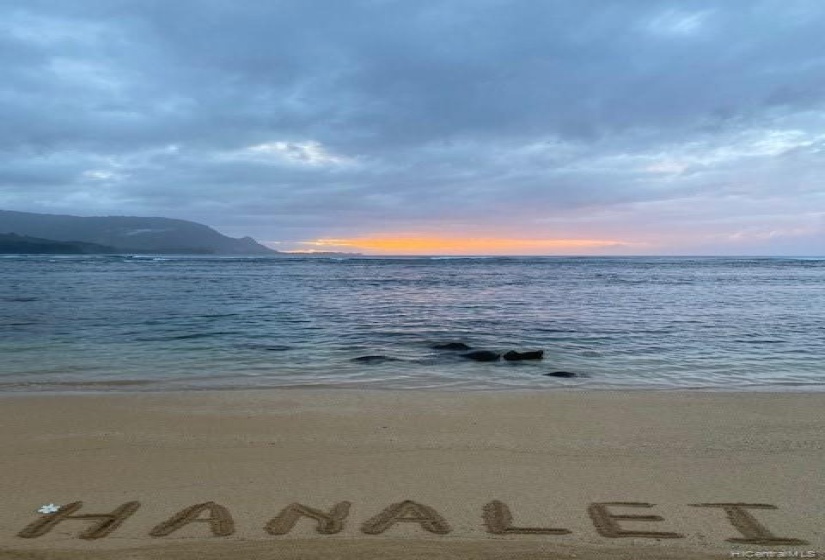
550,457
778,388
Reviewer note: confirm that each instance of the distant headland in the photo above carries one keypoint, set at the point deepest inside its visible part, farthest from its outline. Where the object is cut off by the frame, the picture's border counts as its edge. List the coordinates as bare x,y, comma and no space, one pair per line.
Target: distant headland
32,233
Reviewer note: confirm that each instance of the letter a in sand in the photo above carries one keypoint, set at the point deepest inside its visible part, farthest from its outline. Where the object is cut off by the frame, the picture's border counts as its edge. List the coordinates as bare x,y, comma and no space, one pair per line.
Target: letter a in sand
220,521
408,512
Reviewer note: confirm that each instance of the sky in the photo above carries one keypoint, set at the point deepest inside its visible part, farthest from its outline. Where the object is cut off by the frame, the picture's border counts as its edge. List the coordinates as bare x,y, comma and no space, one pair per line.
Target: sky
530,127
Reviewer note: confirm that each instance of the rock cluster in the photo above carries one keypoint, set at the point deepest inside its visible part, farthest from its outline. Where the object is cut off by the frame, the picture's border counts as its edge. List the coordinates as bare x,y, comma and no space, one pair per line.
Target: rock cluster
475,355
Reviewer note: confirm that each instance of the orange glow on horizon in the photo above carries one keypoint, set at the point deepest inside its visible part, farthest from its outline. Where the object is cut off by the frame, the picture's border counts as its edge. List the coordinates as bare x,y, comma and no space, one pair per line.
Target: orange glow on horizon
414,245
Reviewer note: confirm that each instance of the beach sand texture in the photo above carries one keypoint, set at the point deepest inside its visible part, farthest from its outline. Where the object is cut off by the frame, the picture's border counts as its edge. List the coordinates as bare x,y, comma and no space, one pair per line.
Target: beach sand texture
415,475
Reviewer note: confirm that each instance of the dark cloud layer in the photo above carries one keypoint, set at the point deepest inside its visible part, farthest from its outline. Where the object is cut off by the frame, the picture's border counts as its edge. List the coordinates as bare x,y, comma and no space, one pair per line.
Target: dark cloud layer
672,126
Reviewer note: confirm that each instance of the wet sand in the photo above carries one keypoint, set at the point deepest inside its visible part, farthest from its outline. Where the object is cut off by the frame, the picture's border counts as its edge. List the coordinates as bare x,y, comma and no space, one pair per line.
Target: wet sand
412,475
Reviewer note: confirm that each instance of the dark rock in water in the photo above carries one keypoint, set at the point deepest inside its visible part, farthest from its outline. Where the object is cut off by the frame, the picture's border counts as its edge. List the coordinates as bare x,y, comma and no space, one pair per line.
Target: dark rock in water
276,348
482,356
514,356
565,374
452,346
374,359
267,347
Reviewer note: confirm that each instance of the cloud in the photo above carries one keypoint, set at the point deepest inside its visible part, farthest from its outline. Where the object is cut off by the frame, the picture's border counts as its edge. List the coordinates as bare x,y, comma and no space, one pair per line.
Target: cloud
495,119
676,22
308,152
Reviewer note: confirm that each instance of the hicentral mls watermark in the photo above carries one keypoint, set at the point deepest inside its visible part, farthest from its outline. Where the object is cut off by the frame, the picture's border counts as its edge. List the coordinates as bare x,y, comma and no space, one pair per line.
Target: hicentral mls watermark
776,554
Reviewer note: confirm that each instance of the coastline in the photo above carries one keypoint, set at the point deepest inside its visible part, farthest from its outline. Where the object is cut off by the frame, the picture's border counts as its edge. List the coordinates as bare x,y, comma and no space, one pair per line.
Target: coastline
548,456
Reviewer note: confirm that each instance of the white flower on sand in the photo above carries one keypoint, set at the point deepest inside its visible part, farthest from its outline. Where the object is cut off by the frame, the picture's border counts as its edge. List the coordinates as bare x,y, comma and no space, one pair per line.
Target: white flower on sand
49,508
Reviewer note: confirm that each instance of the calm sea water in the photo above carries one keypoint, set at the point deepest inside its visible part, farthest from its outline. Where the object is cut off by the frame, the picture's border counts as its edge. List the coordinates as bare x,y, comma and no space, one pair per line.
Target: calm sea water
143,323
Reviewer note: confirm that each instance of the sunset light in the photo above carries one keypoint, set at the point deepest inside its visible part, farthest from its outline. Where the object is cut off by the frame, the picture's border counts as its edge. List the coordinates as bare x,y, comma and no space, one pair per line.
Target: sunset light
425,245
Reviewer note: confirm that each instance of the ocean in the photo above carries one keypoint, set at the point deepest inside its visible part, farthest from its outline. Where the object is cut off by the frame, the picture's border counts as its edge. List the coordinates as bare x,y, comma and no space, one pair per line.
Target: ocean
142,323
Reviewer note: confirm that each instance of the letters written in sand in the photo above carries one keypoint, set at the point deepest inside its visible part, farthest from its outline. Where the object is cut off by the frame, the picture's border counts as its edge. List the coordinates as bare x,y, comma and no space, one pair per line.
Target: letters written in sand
612,520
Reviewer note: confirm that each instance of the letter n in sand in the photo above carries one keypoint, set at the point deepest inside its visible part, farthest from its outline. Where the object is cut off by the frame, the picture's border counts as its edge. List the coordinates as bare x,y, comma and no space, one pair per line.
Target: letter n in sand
328,523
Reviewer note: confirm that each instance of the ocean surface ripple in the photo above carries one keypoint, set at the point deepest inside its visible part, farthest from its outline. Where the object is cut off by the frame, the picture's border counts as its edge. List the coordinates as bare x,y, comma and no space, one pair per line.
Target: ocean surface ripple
96,323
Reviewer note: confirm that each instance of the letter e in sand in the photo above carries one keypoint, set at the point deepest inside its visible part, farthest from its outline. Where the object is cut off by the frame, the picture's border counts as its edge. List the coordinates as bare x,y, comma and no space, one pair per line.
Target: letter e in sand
607,523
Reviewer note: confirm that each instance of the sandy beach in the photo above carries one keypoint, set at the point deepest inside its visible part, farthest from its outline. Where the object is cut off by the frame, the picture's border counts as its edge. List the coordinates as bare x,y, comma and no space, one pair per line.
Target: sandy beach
346,474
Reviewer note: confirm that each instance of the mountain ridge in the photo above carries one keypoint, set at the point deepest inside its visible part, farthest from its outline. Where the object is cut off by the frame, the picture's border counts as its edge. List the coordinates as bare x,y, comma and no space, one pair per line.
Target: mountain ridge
14,244
130,234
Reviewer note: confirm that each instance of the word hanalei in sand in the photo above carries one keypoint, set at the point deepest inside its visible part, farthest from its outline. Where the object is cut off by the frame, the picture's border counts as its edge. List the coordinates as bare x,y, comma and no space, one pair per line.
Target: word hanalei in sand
607,517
